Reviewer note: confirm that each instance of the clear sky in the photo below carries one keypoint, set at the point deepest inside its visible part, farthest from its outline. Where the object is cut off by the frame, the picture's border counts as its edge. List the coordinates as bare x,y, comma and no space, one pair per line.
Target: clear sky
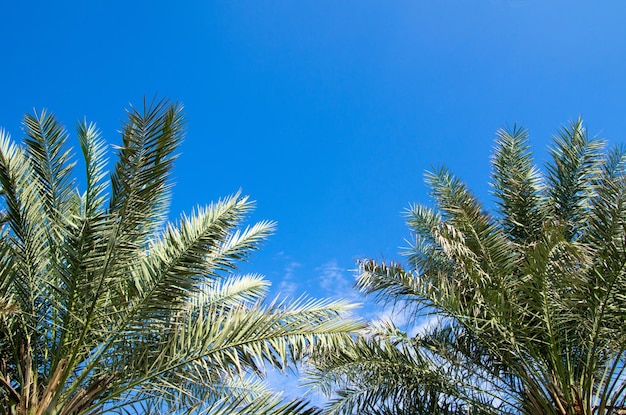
326,112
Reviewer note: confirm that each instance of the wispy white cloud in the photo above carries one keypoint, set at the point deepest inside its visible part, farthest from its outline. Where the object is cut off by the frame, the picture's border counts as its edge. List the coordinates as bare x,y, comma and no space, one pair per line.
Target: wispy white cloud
291,386
337,282
425,324
288,285
392,313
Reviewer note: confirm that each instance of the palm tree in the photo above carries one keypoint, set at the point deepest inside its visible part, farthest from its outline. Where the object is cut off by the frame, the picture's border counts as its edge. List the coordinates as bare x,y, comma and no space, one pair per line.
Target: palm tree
530,299
107,307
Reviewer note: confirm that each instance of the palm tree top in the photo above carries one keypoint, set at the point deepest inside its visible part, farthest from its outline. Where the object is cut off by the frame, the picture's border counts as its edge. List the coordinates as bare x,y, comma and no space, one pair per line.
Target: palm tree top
107,306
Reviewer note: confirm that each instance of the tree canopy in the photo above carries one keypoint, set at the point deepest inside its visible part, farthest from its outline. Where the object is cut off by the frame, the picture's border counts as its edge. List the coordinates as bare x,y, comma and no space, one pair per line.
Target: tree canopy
529,298
105,305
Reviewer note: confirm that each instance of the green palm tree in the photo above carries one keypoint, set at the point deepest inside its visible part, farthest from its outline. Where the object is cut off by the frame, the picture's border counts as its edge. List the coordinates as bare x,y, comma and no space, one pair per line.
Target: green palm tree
107,307
530,300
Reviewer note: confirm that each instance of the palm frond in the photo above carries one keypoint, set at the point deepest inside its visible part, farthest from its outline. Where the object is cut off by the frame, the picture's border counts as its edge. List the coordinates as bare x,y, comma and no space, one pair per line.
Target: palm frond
140,180
50,159
385,372
211,340
517,186
236,291
93,148
193,252
575,164
26,238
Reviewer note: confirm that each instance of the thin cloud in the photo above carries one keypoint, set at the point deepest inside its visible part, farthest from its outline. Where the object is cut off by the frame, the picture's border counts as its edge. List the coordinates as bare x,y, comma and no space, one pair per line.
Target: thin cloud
426,324
337,282
393,313
288,285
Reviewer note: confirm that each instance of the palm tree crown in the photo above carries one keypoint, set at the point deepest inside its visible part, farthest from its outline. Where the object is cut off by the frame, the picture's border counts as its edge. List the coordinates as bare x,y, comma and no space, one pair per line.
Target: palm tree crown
106,307
530,299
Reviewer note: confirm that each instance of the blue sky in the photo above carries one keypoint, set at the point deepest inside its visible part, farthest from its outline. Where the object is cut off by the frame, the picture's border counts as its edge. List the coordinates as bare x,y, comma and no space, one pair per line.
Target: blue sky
325,112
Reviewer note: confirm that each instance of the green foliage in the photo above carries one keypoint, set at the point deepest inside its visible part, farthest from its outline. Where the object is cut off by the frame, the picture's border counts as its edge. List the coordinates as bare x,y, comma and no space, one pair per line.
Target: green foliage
105,306
530,299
